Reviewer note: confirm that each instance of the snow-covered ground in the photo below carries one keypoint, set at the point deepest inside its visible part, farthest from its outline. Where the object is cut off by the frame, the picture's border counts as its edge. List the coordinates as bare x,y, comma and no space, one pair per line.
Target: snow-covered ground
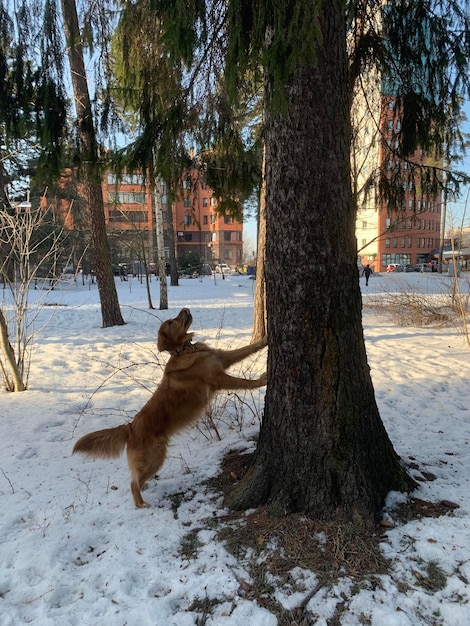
75,551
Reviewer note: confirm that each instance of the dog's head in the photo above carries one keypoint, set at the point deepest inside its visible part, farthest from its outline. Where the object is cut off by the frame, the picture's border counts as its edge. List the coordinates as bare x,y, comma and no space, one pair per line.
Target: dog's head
173,335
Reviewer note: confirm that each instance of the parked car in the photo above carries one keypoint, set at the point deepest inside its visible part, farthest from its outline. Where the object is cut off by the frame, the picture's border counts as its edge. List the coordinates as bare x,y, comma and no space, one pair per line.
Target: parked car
205,270
223,268
409,268
423,267
395,267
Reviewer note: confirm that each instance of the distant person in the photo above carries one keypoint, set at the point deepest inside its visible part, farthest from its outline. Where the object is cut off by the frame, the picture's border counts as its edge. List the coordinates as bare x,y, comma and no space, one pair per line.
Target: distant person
367,272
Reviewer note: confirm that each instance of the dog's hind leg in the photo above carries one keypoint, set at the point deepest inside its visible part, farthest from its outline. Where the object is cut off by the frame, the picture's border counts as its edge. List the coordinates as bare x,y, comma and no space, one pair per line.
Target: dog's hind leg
144,462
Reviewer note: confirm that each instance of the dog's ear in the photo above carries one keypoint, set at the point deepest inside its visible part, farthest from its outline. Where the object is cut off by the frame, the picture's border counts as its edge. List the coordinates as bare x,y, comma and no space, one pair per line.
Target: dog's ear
166,340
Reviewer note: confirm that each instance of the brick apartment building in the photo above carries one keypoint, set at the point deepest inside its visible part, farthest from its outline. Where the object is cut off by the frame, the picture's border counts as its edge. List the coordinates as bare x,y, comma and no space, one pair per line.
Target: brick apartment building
198,229
411,233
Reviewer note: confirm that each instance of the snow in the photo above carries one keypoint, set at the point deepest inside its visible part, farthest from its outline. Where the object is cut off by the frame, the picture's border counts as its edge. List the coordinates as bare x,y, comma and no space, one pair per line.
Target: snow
75,551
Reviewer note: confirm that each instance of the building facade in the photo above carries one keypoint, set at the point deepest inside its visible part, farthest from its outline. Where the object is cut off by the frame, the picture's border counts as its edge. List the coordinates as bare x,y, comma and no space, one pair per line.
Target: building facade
407,230
198,228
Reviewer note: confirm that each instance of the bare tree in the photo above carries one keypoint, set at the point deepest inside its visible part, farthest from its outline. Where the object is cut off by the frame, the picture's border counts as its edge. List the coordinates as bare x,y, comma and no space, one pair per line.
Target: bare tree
30,255
259,314
160,246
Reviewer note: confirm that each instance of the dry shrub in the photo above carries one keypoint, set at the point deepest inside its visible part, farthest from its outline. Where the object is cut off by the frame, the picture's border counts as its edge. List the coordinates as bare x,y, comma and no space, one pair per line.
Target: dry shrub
414,309
411,308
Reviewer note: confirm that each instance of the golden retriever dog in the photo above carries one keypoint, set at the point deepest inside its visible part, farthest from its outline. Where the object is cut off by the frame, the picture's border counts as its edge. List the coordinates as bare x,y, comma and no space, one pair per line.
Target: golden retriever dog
193,374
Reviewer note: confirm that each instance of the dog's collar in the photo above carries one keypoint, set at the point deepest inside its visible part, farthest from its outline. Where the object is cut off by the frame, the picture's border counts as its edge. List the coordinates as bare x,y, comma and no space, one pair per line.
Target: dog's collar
184,347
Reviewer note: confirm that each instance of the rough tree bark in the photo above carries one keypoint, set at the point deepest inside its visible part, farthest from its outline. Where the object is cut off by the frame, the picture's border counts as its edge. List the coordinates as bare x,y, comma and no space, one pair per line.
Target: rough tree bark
92,191
323,449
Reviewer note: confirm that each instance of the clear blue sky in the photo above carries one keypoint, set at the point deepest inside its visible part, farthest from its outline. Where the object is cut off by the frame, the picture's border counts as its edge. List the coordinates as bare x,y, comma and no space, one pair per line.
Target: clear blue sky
459,211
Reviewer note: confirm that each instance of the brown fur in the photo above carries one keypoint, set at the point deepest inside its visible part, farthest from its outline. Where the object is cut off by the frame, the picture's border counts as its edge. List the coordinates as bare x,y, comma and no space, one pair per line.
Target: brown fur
192,375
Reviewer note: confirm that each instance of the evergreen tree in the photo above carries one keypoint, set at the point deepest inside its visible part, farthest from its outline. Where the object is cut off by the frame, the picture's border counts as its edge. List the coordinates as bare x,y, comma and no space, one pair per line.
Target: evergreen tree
323,449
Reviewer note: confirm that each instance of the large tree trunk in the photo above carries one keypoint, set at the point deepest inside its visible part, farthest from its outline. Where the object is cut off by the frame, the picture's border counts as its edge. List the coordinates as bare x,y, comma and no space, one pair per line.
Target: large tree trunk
92,190
322,448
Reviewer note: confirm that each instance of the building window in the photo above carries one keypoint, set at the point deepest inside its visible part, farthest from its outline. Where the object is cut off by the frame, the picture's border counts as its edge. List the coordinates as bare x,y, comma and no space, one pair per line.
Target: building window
402,242
227,236
387,243
126,179
395,242
127,197
187,202
410,242
213,218
205,202
205,219
128,216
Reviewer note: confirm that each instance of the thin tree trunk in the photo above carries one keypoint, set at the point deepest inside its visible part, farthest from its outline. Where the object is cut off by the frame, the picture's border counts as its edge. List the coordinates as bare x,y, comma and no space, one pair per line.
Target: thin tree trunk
322,448
11,368
92,190
160,246
170,233
259,317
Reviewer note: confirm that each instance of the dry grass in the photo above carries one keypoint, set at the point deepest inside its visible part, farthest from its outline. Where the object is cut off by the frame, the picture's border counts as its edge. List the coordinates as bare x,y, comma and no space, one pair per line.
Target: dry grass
270,549
271,552
408,307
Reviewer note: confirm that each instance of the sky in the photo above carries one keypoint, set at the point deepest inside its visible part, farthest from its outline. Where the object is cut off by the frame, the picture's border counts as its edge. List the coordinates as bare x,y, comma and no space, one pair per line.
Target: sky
458,211
74,551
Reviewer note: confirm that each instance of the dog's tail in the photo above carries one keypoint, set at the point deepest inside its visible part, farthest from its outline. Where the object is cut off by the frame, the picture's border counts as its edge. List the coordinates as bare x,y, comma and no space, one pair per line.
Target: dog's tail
104,444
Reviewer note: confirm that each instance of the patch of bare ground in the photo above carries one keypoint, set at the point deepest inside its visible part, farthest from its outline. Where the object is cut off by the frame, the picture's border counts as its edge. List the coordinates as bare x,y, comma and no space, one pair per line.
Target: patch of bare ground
271,550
